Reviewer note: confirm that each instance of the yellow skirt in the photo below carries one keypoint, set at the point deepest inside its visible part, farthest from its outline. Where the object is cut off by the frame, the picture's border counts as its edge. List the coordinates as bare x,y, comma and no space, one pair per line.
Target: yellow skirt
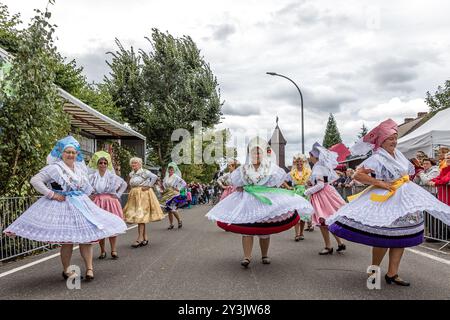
142,207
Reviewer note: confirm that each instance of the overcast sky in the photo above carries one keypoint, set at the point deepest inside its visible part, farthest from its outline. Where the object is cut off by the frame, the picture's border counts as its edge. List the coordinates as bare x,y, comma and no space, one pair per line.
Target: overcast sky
362,60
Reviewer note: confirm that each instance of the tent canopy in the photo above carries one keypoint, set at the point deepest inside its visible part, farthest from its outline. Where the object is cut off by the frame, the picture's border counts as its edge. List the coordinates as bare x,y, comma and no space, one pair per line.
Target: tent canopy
435,132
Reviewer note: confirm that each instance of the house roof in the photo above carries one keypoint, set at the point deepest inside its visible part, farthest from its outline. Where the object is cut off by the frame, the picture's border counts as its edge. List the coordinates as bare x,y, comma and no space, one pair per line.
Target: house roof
410,126
90,120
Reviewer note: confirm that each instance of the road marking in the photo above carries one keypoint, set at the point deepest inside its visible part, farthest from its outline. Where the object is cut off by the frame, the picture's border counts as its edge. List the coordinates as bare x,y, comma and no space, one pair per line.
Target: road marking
28,265
430,256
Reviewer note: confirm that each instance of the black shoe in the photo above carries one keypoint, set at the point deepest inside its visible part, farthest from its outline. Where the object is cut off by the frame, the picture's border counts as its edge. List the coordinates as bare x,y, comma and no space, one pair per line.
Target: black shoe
170,227
114,255
341,247
395,279
265,260
72,274
245,263
326,251
102,256
144,243
136,244
89,277
180,224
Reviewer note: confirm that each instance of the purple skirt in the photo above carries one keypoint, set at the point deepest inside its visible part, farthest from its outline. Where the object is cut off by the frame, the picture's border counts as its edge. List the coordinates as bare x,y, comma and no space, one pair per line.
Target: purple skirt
383,237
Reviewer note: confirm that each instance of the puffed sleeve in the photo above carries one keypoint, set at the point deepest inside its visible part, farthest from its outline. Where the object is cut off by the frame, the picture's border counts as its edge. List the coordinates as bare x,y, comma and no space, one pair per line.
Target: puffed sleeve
288,177
150,179
87,187
374,164
236,177
121,186
277,177
180,183
40,180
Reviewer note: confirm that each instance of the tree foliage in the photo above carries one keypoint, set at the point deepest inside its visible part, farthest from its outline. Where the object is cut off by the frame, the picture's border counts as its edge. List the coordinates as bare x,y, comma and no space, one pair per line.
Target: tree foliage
31,118
9,34
165,89
332,135
363,131
441,98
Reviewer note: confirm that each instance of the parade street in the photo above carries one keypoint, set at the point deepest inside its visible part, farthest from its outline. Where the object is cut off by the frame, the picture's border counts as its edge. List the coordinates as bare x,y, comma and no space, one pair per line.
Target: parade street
201,261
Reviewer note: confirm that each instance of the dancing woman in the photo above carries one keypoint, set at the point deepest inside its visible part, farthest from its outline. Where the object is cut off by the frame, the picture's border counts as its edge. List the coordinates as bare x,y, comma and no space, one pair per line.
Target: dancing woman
108,188
142,206
172,198
258,207
324,197
299,176
65,214
388,215
224,181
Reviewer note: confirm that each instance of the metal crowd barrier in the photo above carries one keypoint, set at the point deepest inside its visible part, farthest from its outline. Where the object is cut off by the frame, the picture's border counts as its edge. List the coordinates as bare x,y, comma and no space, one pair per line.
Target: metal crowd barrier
10,248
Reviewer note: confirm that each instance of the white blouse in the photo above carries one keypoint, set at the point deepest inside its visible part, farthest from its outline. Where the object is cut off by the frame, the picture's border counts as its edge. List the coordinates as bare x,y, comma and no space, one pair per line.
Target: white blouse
276,179
142,178
109,183
174,181
63,177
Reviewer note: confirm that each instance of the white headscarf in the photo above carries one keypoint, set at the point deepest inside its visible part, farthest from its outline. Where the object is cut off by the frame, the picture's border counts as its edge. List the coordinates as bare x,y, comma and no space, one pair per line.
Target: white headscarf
249,174
326,164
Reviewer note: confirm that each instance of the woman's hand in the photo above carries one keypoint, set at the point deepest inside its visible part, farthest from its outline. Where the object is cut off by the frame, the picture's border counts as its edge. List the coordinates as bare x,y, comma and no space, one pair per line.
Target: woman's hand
431,183
145,188
92,197
385,185
240,189
58,197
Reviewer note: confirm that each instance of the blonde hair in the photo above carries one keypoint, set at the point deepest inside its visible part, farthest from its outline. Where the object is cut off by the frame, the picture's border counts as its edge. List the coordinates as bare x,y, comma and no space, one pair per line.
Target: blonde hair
136,159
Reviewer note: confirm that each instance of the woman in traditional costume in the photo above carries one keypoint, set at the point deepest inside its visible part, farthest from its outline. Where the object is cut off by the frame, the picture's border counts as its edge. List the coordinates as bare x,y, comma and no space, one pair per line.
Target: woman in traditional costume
142,206
65,214
174,194
324,197
224,181
299,176
108,188
388,215
258,207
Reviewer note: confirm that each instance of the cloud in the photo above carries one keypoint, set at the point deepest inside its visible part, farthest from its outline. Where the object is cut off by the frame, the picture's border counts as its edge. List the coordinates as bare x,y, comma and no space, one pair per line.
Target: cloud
395,108
395,74
244,109
94,63
223,32
318,98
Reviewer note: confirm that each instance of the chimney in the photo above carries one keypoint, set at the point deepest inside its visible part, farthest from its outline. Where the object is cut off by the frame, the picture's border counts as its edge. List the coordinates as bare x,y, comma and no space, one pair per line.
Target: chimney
408,120
421,114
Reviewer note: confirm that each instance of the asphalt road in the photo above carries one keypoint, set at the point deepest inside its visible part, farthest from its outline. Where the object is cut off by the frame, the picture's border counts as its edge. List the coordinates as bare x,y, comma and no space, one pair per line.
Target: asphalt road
201,261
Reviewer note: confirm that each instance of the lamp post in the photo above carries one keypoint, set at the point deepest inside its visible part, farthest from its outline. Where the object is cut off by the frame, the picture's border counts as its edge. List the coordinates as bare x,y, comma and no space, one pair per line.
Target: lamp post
301,100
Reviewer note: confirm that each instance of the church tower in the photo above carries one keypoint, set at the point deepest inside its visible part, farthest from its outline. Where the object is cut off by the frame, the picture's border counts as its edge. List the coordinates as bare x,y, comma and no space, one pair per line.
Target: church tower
278,145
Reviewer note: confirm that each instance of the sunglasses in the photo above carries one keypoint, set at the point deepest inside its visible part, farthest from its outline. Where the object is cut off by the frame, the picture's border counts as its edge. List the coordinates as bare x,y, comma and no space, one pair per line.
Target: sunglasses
103,162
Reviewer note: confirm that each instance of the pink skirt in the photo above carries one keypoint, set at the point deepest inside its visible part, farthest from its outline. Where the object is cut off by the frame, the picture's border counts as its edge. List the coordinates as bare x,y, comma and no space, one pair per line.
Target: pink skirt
109,203
227,191
325,202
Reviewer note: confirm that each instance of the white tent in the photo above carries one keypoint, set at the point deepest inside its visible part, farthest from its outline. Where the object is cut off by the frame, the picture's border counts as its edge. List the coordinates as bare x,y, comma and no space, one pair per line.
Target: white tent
433,133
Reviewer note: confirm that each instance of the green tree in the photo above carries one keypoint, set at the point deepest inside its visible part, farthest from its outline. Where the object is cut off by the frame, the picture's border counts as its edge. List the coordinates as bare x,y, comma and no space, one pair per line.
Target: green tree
363,131
124,85
165,89
332,135
441,98
31,118
9,34
204,172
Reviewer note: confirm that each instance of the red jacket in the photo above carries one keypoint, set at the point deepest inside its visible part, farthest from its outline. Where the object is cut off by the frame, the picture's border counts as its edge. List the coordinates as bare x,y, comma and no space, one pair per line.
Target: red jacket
441,182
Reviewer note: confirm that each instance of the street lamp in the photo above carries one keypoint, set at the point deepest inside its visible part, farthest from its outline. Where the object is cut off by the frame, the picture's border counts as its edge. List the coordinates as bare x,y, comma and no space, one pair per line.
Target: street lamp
301,100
